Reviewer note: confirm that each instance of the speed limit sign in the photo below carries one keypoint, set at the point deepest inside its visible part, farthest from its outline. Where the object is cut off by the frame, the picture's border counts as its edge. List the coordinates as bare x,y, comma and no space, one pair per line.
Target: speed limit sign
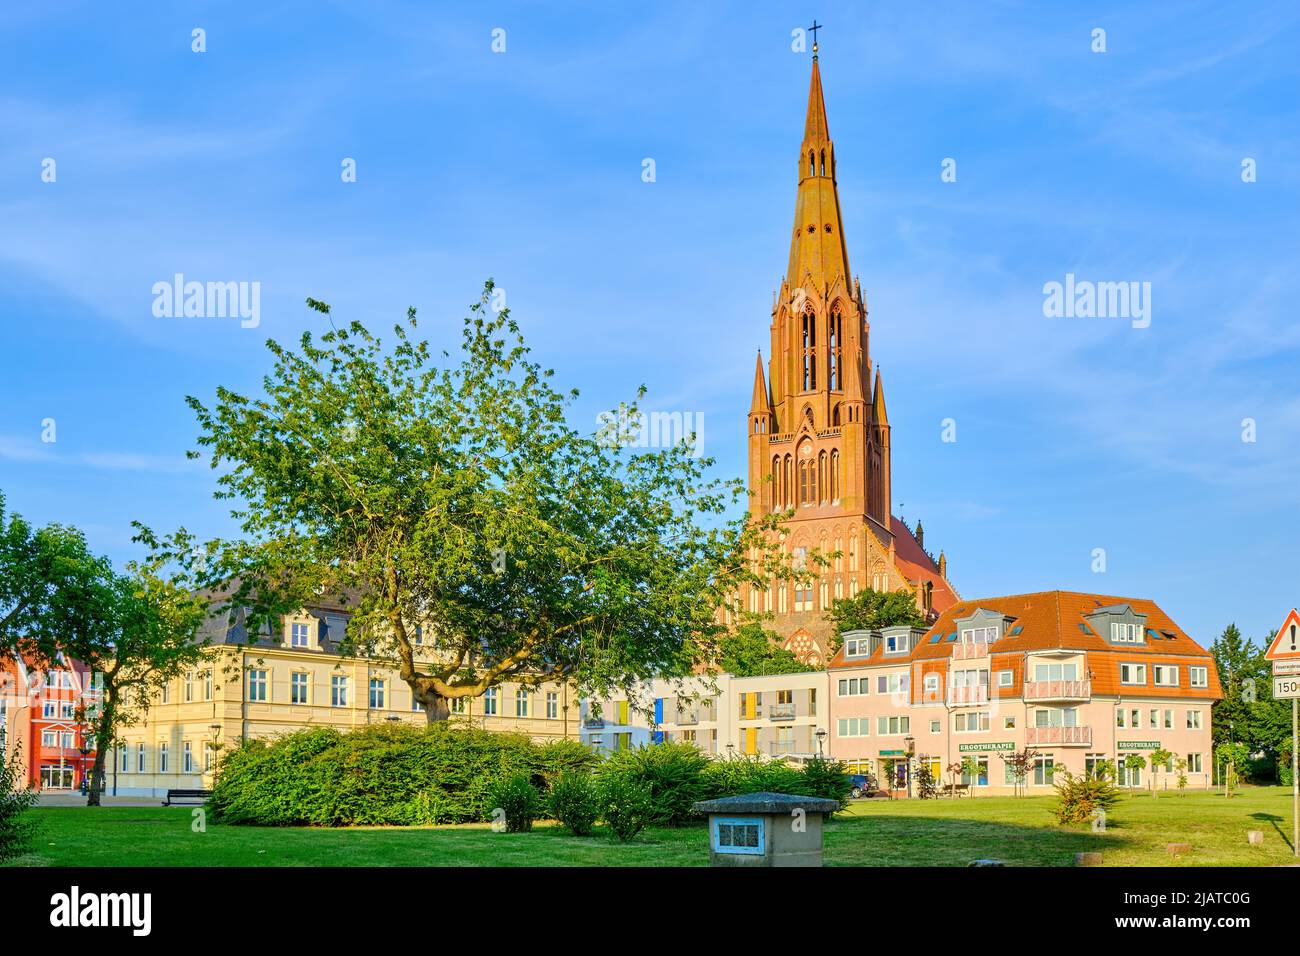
1286,688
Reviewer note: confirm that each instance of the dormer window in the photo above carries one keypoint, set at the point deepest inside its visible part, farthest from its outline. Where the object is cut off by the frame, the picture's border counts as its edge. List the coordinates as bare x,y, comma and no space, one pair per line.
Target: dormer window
897,643
1124,633
857,647
979,635
299,635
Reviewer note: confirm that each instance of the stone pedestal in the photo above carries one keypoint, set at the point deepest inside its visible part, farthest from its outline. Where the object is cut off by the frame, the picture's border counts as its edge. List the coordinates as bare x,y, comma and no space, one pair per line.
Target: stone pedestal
766,829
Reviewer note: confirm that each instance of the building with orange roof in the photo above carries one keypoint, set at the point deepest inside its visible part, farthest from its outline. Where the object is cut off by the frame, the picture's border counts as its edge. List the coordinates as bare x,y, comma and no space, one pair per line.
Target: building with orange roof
818,433
1079,678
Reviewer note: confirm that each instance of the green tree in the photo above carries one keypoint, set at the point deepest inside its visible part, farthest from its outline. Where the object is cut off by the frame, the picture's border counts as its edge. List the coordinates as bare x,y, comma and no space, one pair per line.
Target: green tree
751,650
871,610
1161,759
1134,764
1243,672
140,630
455,498
1232,757
47,577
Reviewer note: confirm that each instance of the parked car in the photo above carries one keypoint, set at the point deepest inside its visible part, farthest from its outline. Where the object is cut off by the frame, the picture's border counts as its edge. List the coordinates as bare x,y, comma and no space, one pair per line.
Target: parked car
862,785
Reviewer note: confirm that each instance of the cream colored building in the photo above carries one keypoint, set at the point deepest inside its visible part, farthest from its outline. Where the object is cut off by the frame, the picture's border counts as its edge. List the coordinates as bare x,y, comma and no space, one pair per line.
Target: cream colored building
777,716
299,680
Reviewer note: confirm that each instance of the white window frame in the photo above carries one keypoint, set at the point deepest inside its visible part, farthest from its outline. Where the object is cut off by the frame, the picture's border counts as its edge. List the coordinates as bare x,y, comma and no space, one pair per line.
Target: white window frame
1164,670
1141,669
338,690
1198,677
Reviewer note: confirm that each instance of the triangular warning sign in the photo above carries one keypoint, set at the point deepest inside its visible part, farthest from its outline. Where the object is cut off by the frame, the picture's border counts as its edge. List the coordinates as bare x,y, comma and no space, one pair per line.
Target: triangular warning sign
1286,644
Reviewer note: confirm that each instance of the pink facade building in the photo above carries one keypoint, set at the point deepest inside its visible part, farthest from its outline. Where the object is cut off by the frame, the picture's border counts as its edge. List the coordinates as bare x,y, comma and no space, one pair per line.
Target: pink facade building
1079,678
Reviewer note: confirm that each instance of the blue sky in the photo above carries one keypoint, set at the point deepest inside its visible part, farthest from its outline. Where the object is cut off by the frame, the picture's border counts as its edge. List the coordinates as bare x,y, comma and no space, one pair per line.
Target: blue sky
1072,434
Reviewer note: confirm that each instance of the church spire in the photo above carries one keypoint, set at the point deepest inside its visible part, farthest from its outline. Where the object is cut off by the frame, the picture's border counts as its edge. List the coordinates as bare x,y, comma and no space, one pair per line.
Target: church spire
818,254
761,403
878,401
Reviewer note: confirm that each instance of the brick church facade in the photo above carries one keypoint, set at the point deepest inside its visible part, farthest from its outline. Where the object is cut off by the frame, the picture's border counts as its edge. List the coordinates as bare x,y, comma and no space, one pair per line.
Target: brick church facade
818,434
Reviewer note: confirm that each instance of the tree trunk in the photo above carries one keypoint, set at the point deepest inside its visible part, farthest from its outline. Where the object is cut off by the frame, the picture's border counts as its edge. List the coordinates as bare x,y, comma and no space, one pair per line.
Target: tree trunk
436,707
103,726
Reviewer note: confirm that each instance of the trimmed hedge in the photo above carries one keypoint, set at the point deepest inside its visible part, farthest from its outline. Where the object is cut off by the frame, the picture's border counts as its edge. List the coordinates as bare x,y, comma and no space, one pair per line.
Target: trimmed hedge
403,776
383,775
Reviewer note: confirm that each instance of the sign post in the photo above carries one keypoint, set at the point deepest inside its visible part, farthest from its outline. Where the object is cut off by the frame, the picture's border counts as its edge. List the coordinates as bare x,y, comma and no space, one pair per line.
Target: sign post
1284,652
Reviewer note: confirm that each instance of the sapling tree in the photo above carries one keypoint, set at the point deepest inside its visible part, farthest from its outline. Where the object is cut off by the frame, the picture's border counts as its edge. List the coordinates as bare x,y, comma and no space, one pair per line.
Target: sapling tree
1020,763
1134,763
1161,759
478,536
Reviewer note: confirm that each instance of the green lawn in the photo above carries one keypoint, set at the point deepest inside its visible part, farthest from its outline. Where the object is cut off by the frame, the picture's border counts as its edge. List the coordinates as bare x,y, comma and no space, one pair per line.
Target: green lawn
1018,831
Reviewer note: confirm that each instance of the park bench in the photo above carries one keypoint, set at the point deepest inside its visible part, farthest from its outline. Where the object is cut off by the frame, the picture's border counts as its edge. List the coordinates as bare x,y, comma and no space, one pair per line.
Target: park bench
956,790
176,796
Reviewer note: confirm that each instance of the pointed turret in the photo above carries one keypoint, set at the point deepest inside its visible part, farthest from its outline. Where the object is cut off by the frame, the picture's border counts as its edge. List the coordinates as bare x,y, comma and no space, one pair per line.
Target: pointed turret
761,402
878,401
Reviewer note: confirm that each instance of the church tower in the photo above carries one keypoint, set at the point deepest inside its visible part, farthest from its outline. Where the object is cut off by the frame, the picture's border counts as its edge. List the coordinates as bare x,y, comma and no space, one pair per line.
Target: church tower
819,437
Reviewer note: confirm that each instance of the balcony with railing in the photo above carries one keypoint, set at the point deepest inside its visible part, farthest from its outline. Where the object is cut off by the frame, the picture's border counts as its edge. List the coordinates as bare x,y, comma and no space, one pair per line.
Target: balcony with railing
784,748
1058,736
687,718
1058,690
780,712
974,694
594,723
969,652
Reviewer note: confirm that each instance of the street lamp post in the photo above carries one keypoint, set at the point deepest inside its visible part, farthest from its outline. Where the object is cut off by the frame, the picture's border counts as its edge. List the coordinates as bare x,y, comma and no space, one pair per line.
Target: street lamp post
821,740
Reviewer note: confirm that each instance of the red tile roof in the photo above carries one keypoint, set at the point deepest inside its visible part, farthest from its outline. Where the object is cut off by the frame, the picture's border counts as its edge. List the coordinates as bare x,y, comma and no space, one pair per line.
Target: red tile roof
1050,620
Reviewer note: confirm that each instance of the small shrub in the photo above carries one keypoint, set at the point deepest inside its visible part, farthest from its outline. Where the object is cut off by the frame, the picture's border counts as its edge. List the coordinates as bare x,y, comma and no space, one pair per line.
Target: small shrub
1080,797
738,774
517,800
825,778
16,828
574,802
559,757
670,774
626,806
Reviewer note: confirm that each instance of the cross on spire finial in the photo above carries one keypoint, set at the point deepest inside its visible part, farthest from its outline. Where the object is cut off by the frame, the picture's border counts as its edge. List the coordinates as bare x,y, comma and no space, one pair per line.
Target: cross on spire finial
813,30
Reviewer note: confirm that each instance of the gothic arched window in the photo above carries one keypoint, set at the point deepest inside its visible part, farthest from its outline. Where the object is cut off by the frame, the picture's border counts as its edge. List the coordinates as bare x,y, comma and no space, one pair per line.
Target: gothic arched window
835,475
836,341
809,352
823,162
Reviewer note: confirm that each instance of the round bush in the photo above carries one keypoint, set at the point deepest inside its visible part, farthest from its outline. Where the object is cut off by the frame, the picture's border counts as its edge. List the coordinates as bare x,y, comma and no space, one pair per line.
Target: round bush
515,802
626,806
574,802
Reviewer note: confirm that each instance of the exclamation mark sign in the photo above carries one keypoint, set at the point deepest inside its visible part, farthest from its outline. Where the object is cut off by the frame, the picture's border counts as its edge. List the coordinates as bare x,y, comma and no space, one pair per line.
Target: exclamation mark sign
1292,638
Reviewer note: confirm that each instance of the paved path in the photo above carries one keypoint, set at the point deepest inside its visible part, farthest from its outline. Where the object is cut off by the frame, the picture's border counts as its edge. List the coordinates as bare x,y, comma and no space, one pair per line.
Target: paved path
77,800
